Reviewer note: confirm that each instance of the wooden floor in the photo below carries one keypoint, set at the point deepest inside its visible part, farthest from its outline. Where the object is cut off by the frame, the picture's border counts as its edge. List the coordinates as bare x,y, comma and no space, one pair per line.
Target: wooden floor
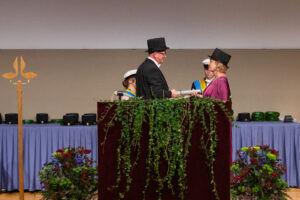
294,193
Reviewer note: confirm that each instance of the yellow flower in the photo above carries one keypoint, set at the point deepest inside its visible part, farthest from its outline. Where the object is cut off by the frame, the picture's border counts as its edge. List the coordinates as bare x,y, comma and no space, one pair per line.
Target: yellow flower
257,148
271,156
244,148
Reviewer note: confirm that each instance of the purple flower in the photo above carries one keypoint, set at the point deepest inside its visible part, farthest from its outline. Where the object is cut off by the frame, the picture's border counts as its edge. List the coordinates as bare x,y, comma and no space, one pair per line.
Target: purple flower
243,156
78,160
262,159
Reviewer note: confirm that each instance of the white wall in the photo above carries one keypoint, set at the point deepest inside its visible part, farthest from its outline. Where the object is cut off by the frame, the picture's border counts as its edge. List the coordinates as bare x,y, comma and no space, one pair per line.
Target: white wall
126,24
75,80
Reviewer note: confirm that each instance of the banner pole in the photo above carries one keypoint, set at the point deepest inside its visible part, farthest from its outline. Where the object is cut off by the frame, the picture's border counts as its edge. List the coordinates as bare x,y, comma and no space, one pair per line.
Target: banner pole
11,76
20,135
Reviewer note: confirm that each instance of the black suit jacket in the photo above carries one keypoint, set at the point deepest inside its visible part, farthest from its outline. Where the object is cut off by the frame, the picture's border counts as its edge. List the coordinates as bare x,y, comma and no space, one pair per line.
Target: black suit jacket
150,81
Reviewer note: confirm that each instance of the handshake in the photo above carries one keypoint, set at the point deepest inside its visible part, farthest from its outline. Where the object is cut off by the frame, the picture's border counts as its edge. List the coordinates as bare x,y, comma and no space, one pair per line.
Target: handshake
186,93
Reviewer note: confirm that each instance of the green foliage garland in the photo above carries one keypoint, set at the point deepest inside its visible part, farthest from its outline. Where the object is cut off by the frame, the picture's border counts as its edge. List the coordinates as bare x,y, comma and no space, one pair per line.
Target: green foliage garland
171,122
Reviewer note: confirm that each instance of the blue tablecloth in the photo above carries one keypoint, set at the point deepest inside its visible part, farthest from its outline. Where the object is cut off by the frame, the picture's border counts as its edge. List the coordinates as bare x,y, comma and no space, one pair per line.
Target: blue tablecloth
40,141
284,137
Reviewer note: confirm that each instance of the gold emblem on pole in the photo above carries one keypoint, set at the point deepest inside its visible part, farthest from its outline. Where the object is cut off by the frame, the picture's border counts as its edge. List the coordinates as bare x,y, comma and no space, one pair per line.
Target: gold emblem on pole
13,75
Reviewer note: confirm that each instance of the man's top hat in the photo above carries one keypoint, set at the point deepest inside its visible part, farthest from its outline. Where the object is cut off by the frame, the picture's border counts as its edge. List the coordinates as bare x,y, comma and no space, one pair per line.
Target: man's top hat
221,56
156,44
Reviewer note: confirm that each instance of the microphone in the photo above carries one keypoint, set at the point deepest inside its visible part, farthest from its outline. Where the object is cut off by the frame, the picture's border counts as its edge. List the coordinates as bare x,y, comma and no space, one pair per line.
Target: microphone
187,92
119,93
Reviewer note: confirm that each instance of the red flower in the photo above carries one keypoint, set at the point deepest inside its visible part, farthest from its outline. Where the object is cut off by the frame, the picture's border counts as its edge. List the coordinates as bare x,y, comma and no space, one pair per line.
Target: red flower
238,178
66,155
55,169
274,174
254,160
86,151
61,194
284,168
273,151
67,165
60,150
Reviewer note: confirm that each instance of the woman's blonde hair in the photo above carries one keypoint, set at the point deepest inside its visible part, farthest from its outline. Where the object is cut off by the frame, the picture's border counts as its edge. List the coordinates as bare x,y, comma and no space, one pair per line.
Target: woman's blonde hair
221,67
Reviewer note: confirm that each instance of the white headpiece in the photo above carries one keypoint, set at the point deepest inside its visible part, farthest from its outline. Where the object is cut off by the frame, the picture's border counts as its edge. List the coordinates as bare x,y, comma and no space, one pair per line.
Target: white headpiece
206,61
130,73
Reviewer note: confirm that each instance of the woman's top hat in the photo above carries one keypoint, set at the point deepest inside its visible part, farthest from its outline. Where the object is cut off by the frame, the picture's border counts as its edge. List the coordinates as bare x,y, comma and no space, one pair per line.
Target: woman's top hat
156,44
221,56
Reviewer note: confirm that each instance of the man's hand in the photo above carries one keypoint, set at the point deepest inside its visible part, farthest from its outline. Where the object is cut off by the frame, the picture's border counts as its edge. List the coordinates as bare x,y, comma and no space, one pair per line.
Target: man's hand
174,93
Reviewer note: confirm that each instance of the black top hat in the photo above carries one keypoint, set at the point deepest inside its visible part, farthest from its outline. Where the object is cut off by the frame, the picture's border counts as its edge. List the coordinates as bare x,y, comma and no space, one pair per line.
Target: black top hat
288,118
42,118
243,117
220,56
156,44
70,119
11,118
75,115
89,119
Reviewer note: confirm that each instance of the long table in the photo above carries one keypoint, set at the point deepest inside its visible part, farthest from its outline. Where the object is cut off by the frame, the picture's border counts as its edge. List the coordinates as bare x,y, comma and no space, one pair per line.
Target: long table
40,141
284,137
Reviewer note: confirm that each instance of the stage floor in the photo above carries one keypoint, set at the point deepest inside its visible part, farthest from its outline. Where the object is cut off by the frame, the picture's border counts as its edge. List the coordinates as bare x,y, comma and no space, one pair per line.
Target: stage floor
294,193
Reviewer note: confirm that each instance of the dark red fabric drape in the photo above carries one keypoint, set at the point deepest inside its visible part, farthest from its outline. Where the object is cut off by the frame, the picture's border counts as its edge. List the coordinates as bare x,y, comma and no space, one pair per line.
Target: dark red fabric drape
198,179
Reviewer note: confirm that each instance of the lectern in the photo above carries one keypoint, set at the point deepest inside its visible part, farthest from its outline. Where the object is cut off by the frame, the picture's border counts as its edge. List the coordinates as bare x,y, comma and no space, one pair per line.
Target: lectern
198,173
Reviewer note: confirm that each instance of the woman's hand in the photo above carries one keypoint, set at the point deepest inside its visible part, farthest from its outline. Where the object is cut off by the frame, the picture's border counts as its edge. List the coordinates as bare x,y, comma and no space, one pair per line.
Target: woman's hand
196,94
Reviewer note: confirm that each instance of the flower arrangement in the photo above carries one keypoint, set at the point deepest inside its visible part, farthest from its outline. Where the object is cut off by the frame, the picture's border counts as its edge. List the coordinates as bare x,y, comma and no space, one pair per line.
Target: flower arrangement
69,175
257,175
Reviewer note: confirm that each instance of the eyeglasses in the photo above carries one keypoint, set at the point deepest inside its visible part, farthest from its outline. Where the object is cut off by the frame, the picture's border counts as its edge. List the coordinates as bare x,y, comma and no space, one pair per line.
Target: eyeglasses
163,53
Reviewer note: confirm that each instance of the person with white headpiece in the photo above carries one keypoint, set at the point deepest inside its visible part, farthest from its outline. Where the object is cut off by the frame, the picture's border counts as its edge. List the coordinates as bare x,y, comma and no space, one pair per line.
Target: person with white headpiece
204,82
129,84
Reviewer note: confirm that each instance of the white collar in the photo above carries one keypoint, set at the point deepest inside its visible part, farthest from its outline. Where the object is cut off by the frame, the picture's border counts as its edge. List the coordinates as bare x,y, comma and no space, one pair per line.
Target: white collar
208,81
156,63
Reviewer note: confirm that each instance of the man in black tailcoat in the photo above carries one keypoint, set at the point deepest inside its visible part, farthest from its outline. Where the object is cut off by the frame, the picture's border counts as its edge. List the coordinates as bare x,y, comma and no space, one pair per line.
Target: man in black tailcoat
150,81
